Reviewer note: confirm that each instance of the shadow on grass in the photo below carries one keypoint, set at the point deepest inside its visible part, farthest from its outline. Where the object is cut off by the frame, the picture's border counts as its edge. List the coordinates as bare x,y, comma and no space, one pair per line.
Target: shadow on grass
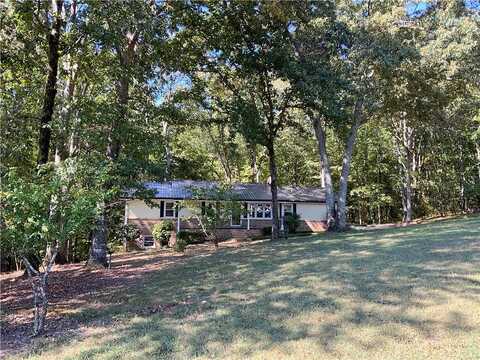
318,287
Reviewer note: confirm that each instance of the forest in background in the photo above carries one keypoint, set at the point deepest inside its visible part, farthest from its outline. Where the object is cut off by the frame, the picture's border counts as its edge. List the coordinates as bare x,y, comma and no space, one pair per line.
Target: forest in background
377,101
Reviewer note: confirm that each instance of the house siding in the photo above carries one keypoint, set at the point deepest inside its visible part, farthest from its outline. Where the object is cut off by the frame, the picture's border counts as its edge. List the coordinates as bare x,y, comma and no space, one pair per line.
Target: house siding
311,211
138,209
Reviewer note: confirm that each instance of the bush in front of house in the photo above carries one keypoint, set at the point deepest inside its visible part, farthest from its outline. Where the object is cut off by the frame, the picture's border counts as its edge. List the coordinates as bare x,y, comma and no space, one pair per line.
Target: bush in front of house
161,232
183,235
293,222
180,244
192,237
120,236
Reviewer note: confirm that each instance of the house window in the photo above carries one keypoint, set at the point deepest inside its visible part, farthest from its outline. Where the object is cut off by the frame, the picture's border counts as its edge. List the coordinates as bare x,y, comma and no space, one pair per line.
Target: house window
260,211
287,209
169,209
267,211
148,242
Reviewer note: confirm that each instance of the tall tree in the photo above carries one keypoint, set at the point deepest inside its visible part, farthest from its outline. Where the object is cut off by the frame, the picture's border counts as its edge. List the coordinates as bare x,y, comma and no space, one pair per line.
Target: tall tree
133,35
345,60
245,47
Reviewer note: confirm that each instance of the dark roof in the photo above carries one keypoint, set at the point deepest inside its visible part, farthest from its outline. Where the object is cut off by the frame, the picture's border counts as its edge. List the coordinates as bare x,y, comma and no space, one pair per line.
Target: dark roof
181,190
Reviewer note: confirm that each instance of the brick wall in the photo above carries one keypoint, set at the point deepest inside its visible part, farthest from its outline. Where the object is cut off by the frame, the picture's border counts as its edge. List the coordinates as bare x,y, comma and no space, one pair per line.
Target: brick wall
240,232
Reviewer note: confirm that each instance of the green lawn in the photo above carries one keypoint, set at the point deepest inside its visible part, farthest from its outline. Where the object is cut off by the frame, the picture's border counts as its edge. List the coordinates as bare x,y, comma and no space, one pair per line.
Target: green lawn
406,293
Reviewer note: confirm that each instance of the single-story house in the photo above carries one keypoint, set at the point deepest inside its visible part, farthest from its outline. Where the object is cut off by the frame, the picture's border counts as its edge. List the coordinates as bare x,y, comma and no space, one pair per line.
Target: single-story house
256,199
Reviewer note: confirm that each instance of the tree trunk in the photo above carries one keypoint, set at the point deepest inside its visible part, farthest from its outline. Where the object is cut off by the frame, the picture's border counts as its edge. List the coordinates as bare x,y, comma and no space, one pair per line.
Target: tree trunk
407,198
98,249
346,162
39,283
53,38
114,137
254,173
62,146
274,190
403,135
326,174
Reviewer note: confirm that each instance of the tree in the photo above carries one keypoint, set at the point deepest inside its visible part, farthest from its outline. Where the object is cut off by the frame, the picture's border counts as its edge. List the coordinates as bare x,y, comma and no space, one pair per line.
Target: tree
134,35
42,213
212,207
421,97
244,48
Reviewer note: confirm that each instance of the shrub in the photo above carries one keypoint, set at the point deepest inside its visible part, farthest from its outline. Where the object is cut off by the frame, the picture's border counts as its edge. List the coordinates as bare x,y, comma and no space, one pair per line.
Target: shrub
191,237
293,222
124,234
183,235
161,232
180,244
196,237
267,231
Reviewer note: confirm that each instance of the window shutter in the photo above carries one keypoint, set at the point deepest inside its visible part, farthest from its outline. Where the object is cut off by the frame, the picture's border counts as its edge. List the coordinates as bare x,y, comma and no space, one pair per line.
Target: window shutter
162,208
280,210
203,207
294,209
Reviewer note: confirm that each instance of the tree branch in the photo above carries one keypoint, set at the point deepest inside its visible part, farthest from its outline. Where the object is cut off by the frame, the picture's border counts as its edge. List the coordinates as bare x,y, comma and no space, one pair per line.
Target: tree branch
30,269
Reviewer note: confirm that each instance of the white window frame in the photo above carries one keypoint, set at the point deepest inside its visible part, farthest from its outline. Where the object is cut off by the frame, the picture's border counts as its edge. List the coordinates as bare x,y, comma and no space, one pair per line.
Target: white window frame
253,207
143,242
165,209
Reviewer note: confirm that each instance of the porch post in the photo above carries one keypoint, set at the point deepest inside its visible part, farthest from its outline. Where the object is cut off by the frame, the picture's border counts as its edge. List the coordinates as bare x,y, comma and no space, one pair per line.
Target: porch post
178,221
248,216
125,219
281,217
125,222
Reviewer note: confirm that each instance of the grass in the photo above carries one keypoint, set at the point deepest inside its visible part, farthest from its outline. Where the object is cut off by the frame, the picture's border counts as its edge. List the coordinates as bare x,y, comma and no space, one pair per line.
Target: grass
405,293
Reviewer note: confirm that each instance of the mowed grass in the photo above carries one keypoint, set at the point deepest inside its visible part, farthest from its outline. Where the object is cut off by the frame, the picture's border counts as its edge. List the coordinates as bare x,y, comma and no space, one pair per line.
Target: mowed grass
405,293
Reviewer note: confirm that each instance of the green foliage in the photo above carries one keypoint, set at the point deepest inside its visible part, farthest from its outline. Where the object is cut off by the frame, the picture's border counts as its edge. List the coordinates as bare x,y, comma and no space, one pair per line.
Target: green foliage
53,206
293,222
191,237
162,230
180,245
218,210
125,234
202,100
183,235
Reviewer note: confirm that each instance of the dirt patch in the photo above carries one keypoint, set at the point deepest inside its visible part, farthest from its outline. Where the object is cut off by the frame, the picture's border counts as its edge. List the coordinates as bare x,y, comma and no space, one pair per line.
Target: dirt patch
73,286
